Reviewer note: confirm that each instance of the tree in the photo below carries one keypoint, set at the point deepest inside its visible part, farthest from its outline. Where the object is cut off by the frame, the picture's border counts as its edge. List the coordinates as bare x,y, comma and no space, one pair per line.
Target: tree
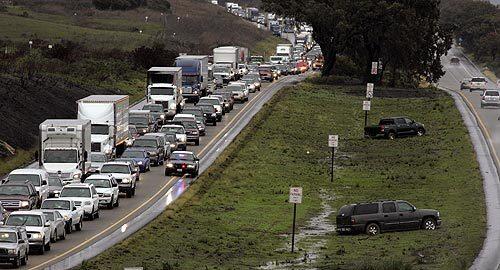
404,35
29,65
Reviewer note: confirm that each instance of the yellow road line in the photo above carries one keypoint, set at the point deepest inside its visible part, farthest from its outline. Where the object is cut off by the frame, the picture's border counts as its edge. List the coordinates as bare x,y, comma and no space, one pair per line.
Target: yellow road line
60,256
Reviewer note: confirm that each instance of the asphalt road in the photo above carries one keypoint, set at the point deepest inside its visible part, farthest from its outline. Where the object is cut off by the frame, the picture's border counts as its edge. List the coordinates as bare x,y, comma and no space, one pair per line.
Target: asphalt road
484,131
154,185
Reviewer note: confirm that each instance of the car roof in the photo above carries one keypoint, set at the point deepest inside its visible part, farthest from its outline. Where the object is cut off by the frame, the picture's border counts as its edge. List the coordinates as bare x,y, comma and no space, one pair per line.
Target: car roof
25,213
156,134
28,171
78,185
116,163
180,115
58,199
100,176
172,126
183,152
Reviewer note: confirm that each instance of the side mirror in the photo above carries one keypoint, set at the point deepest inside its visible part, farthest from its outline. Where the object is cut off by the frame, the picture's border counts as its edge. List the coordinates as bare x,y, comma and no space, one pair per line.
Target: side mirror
21,241
44,182
74,208
97,171
413,209
2,223
56,195
47,224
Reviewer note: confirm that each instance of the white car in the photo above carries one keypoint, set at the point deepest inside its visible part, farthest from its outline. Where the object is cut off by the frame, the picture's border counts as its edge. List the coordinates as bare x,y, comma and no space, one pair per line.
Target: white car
73,215
57,228
37,227
184,117
38,177
243,85
124,174
490,98
85,196
107,188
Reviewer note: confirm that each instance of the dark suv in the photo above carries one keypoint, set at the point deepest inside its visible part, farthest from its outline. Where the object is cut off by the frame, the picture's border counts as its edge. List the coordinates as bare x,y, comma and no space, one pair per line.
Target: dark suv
373,218
18,196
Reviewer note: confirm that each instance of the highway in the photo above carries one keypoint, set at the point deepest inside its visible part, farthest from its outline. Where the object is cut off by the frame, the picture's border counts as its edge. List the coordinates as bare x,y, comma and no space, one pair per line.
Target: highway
154,185
484,131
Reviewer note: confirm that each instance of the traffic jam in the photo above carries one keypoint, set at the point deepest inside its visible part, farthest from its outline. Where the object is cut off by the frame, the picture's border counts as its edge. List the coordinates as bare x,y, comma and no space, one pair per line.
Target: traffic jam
92,162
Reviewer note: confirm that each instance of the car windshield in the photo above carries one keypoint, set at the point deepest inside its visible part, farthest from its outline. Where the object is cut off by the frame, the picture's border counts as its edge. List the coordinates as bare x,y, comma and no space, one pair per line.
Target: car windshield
97,158
14,190
99,183
133,154
234,88
157,91
56,204
170,138
137,120
60,156
189,80
478,80
145,143
181,156
32,178
132,130
99,129
492,93
8,237
115,168
221,69
172,129
212,101
75,192
193,112
153,108
190,125
49,216
55,182
24,220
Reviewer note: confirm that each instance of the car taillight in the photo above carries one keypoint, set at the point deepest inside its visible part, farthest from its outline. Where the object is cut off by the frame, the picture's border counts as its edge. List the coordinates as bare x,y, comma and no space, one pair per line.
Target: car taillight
382,128
353,221
184,165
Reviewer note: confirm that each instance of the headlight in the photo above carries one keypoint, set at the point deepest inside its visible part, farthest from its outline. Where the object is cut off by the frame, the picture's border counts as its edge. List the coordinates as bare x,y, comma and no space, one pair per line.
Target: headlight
183,139
36,236
144,130
24,203
129,143
226,104
106,195
77,176
88,203
152,154
108,151
170,165
194,132
214,115
190,166
195,92
172,145
162,116
140,162
126,180
12,251
66,217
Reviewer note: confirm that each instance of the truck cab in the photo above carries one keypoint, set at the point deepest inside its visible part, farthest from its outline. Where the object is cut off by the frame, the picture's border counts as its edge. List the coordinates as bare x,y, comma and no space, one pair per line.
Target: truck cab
165,87
64,148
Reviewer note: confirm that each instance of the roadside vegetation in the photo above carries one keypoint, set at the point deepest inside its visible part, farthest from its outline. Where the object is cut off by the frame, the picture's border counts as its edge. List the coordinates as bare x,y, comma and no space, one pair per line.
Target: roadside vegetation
236,215
78,50
476,26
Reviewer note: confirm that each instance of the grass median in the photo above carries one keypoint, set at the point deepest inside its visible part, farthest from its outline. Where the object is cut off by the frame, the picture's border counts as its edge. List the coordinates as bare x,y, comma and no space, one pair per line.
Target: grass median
236,215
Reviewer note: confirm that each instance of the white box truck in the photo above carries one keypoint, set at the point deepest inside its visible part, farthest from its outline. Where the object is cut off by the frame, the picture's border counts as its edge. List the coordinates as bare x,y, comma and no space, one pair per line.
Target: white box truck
225,57
64,150
108,115
284,50
164,86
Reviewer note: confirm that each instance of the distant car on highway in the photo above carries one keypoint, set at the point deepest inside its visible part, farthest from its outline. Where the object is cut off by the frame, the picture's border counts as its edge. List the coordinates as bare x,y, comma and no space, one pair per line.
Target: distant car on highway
57,228
19,196
376,217
180,134
124,173
474,83
73,216
209,112
490,98
107,189
15,241
393,127
38,177
85,196
455,61
55,187
182,162
140,156
153,146
37,227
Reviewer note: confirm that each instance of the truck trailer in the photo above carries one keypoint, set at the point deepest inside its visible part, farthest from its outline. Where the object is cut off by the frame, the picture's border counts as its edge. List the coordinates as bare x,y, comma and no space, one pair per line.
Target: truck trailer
164,86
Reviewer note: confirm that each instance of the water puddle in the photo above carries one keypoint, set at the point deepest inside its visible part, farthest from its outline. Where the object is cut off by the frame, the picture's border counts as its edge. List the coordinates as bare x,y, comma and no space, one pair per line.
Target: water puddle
309,239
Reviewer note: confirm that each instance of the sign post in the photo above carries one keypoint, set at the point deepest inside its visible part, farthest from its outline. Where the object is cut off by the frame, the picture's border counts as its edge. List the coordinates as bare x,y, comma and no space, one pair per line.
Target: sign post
374,68
366,108
295,197
333,142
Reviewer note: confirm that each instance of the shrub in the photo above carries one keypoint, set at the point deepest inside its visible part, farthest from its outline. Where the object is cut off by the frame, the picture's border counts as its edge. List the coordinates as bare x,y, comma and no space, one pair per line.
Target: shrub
160,5
118,4
146,57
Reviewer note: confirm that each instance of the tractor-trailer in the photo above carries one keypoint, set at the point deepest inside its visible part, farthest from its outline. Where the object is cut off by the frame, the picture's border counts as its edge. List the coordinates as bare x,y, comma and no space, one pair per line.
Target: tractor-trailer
164,86
108,115
64,148
194,75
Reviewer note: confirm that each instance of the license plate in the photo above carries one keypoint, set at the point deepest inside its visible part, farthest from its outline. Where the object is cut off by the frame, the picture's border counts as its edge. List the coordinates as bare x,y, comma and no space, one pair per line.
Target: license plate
179,170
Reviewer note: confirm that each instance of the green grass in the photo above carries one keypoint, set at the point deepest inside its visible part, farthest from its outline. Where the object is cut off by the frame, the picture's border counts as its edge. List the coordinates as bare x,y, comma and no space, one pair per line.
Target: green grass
267,47
235,214
22,157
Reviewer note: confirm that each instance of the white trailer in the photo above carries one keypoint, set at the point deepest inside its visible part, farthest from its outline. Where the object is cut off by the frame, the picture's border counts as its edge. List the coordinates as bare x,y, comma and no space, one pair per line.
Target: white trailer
165,88
284,50
64,148
224,56
108,115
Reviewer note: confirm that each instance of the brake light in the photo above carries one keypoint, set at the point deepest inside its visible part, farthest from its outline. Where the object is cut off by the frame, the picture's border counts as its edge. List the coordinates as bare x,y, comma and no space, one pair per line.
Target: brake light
382,127
353,221
184,165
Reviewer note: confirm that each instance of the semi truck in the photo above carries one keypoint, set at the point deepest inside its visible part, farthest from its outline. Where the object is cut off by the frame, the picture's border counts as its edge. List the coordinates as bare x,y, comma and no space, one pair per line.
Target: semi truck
194,75
284,50
108,115
164,86
226,62
64,149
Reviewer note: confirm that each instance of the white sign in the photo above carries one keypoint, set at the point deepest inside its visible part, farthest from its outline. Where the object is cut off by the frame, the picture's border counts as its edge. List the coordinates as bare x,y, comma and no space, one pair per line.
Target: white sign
333,140
295,195
374,68
366,105
498,83
369,90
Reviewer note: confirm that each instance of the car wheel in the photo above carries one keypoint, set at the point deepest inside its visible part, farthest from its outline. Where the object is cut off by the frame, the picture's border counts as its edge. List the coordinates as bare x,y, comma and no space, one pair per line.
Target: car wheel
63,236
148,168
372,229
391,136
167,173
97,214
53,239
429,224
79,225
129,193
420,132
117,202
214,123
91,216
17,261
69,228
41,251
162,161
133,191
111,203
47,246
24,260
197,142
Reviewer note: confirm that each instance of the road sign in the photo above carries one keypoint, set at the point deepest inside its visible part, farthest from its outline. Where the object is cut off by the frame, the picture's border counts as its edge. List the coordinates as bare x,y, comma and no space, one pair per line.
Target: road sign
295,195
333,140
366,105
369,90
374,68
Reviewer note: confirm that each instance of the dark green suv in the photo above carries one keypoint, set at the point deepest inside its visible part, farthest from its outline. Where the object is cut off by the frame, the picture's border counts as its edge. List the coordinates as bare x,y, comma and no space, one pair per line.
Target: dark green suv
375,217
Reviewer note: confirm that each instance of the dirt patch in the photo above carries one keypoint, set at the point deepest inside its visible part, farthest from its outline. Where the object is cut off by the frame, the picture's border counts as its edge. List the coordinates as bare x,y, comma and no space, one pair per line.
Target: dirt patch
396,92
25,105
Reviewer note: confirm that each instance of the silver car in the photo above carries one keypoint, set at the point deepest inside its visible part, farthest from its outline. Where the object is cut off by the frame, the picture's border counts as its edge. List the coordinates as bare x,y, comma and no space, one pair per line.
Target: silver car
490,98
58,227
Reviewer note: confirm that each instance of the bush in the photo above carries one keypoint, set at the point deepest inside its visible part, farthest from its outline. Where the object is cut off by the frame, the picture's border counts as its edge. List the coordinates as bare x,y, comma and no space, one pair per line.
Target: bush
67,51
160,5
335,80
146,57
118,4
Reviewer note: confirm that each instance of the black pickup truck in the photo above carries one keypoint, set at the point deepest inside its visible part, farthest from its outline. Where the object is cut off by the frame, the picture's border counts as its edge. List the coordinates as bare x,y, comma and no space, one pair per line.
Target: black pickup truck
393,127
